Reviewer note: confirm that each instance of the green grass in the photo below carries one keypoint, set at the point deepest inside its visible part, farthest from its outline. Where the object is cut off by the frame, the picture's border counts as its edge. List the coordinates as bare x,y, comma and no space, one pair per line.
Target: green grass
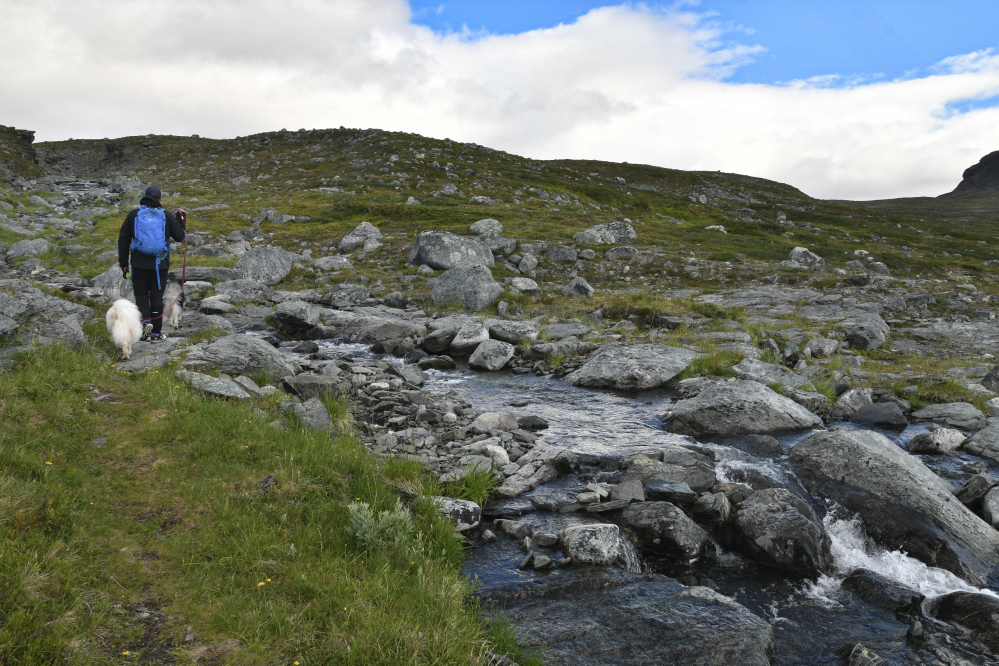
718,364
169,515
477,485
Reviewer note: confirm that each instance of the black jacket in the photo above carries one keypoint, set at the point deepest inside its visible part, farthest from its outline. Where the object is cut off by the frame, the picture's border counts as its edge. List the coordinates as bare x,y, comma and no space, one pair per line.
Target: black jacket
174,229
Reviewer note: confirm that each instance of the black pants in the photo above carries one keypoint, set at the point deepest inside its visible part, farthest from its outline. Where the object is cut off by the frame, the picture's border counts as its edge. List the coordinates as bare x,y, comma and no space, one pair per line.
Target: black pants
148,296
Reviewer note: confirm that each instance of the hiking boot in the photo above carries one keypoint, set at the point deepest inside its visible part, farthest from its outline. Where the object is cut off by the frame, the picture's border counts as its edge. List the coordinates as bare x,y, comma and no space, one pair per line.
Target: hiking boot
146,330
157,337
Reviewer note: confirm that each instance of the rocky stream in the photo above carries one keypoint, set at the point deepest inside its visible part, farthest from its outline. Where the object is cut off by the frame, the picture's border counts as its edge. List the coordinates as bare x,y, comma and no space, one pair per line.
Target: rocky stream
742,519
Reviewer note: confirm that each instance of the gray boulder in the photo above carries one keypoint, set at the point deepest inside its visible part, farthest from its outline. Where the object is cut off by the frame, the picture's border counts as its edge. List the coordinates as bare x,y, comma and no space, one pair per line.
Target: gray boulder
334,263
242,355
767,373
464,514
866,331
609,232
665,529
114,285
40,317
313,414
220,387
310,386
802,257
206,273
852,400
780,529
468,338
886,415
562,254
990,506
985,442
513,331
591,544
487,226
525,286
675,465
28,248
903,504
528,263
295,316
941,440
266,264
961,415
978,612
357,237
498,244
578,288
363,326
244,290
631,367
737,408
610,617
491,355
471,287
443,250
440,340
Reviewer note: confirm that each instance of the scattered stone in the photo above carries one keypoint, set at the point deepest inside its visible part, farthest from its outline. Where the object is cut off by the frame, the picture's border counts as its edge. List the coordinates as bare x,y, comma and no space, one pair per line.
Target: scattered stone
359,236
491,355
443,250
464,514
866,331
579,287
487,226
665,529
468,338
222,387
265,264
532,423
978,612
885,415
961,415
782,530
313,414
676,492
591,544
803,258
974,489
762,444
513,332
606,233
861,656
560,253
525,286
941,440
471,287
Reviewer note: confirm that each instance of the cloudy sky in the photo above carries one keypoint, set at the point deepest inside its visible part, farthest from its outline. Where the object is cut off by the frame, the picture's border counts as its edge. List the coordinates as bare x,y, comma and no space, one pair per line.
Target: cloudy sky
856,99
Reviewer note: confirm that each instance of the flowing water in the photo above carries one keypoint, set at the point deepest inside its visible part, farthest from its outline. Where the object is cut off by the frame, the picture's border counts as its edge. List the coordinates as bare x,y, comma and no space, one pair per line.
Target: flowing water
813,620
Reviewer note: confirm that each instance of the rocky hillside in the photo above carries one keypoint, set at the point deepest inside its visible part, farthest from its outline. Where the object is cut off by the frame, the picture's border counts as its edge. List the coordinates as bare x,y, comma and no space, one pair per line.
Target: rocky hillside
700,397
982,177
18,160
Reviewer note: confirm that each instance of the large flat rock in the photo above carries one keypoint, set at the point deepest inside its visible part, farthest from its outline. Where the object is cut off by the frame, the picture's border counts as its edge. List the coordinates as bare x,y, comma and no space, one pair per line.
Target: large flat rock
611,617
903,504
242,355
632,367
739,407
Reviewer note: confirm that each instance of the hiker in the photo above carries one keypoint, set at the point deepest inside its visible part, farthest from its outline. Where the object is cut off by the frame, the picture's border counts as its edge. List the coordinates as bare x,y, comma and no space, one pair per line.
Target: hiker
146,232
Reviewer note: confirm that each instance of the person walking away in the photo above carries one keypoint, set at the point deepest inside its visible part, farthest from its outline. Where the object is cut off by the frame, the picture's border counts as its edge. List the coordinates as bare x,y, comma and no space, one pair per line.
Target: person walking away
146,234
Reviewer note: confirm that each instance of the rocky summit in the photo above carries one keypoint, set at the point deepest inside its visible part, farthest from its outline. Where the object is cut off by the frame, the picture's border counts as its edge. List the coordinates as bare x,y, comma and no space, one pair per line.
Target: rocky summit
713,420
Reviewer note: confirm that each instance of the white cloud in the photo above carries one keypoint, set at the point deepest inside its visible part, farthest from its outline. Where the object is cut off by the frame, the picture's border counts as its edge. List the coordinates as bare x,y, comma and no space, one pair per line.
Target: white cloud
624,83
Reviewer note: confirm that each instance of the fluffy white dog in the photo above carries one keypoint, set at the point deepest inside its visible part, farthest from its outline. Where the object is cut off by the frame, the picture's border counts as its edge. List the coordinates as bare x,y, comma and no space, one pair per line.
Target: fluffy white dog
125,325
171,292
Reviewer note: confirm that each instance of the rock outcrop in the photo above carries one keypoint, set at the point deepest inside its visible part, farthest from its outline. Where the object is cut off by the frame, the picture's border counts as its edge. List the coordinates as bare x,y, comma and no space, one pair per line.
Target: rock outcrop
739,407
903,504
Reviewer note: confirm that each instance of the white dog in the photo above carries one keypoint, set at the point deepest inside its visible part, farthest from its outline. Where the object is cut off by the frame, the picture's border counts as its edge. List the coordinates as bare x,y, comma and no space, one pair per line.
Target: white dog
171,292
125,325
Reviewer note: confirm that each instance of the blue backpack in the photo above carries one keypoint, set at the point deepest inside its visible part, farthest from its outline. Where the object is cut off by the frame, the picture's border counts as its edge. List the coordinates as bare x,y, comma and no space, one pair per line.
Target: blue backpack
150,236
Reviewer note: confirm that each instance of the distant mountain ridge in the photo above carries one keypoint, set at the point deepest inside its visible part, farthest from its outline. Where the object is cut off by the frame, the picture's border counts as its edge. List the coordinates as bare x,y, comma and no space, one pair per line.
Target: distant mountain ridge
982,177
